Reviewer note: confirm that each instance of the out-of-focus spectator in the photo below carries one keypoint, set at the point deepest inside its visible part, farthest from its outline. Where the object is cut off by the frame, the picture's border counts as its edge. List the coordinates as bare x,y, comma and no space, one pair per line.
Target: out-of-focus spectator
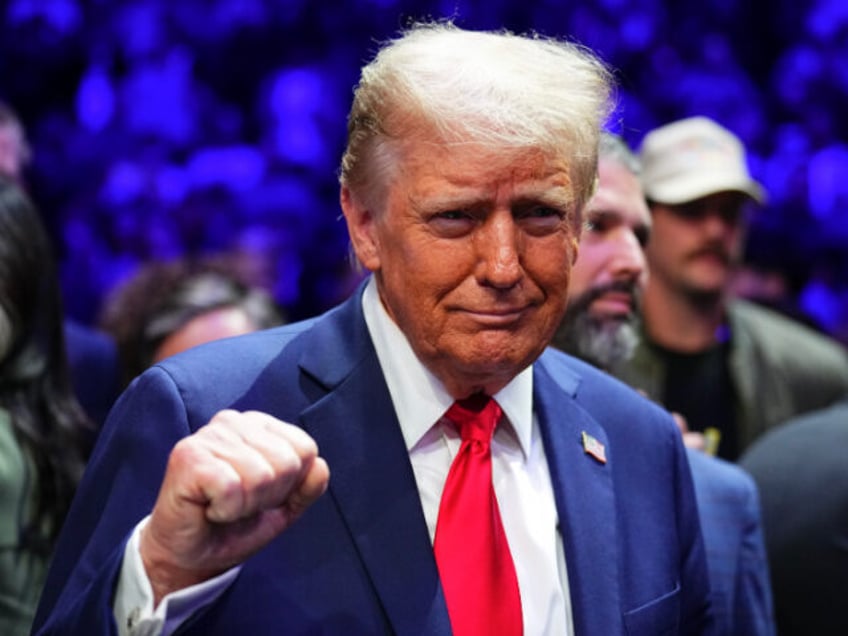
802,474
600,326
151,85
43,430
92,355
167,307
730,367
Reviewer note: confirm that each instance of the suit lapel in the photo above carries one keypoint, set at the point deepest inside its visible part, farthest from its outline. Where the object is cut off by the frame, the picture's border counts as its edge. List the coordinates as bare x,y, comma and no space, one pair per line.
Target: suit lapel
373,485
585,501
372,482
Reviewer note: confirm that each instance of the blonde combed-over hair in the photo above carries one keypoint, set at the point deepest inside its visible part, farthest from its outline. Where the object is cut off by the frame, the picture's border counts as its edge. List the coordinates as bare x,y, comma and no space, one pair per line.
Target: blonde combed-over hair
501,91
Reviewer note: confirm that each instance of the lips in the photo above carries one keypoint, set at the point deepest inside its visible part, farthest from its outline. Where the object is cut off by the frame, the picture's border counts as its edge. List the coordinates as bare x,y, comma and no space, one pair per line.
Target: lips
497,317
613,303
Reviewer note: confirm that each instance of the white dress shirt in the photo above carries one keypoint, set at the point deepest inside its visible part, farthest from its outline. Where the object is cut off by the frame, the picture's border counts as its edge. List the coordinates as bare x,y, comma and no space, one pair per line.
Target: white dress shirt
519,472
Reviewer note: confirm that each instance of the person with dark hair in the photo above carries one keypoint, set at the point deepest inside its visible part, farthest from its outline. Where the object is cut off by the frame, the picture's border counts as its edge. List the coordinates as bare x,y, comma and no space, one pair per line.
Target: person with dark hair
600,326
43,429
92,355
167,307
482,483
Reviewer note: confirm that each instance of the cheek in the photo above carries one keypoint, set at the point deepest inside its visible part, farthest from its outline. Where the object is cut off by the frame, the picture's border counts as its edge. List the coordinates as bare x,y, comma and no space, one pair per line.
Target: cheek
560,261
665,241
737,239
422,271
553,272
417,281
586,269
430,265
644,278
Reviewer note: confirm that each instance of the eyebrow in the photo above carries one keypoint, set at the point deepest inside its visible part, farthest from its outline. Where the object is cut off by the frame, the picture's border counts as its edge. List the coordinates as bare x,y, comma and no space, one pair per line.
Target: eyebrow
562,203
553,196
611,215
603,213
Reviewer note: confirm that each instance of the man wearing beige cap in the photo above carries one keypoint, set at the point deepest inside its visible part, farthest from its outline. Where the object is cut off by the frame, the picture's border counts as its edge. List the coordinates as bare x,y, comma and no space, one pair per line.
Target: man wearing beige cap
731,368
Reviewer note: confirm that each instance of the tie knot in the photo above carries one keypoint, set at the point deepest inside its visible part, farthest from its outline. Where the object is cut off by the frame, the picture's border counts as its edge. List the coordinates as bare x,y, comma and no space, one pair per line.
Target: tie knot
475,417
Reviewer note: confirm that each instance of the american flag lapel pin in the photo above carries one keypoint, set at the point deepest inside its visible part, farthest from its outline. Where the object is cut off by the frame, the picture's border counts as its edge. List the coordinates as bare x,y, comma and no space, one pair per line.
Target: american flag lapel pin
594,448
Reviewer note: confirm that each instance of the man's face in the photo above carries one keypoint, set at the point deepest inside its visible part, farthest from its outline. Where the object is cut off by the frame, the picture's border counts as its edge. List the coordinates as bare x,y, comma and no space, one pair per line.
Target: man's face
472,253
697,245
611,267
223,322
610,274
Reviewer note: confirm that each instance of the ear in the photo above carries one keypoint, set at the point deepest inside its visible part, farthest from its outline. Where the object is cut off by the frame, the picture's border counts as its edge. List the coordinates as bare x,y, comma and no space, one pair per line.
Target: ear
575,248
361,226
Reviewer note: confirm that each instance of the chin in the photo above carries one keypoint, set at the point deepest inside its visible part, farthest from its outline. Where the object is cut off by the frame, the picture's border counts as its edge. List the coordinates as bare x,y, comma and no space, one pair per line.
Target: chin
497,360
711,280
491,356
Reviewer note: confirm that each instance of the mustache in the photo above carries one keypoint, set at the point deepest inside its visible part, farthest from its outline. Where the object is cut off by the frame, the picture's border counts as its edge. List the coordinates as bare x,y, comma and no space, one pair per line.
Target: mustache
602,341
624,286
713,249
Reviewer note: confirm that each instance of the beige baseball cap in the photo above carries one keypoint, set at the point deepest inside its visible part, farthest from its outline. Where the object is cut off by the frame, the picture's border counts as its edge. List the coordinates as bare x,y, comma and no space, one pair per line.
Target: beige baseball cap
693,158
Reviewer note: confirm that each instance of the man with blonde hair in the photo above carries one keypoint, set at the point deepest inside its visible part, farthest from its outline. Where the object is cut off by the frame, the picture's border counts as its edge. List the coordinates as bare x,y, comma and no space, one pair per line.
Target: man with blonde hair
481,483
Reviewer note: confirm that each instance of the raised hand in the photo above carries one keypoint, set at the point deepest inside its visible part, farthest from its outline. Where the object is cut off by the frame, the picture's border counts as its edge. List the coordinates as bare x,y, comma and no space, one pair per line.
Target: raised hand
229,489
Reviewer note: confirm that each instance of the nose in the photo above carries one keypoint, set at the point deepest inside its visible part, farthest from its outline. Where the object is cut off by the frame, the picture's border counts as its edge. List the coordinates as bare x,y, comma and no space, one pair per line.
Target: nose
628,260
721,217
719,226
499,251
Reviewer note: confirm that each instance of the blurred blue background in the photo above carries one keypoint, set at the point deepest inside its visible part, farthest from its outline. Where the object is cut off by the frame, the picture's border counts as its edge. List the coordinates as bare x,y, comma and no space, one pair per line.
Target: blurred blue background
185,127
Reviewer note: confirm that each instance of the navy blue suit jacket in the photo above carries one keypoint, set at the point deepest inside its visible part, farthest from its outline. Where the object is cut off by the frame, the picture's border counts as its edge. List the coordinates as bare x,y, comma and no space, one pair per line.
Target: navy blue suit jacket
360,560
729,508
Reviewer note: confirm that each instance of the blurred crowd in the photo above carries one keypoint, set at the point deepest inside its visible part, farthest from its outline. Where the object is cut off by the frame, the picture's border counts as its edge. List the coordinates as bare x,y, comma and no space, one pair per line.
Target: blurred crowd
161,129
183,158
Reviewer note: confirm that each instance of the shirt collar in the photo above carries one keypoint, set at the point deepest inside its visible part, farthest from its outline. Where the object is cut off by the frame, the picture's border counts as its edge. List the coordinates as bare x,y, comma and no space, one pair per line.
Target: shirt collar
419,397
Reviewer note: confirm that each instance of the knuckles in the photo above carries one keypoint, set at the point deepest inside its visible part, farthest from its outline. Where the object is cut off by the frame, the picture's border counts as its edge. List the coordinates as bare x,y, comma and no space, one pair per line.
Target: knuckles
243,463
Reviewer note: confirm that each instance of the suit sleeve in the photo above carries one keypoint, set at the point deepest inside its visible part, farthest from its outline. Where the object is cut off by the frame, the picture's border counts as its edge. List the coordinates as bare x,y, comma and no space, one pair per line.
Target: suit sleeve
118,489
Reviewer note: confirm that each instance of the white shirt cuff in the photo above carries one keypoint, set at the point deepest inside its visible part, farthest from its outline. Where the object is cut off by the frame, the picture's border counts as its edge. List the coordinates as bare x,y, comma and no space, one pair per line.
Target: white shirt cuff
133,603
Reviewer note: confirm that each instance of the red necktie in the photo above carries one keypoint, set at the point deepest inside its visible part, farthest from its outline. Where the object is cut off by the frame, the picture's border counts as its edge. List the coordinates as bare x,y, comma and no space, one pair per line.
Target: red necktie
475,565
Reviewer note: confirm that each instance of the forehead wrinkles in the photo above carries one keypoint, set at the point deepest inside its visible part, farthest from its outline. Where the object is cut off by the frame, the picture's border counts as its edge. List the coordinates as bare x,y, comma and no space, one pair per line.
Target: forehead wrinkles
468,166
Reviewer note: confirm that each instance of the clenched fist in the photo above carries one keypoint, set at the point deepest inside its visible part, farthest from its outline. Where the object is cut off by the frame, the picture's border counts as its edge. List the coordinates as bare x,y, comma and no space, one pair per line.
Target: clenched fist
229,489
